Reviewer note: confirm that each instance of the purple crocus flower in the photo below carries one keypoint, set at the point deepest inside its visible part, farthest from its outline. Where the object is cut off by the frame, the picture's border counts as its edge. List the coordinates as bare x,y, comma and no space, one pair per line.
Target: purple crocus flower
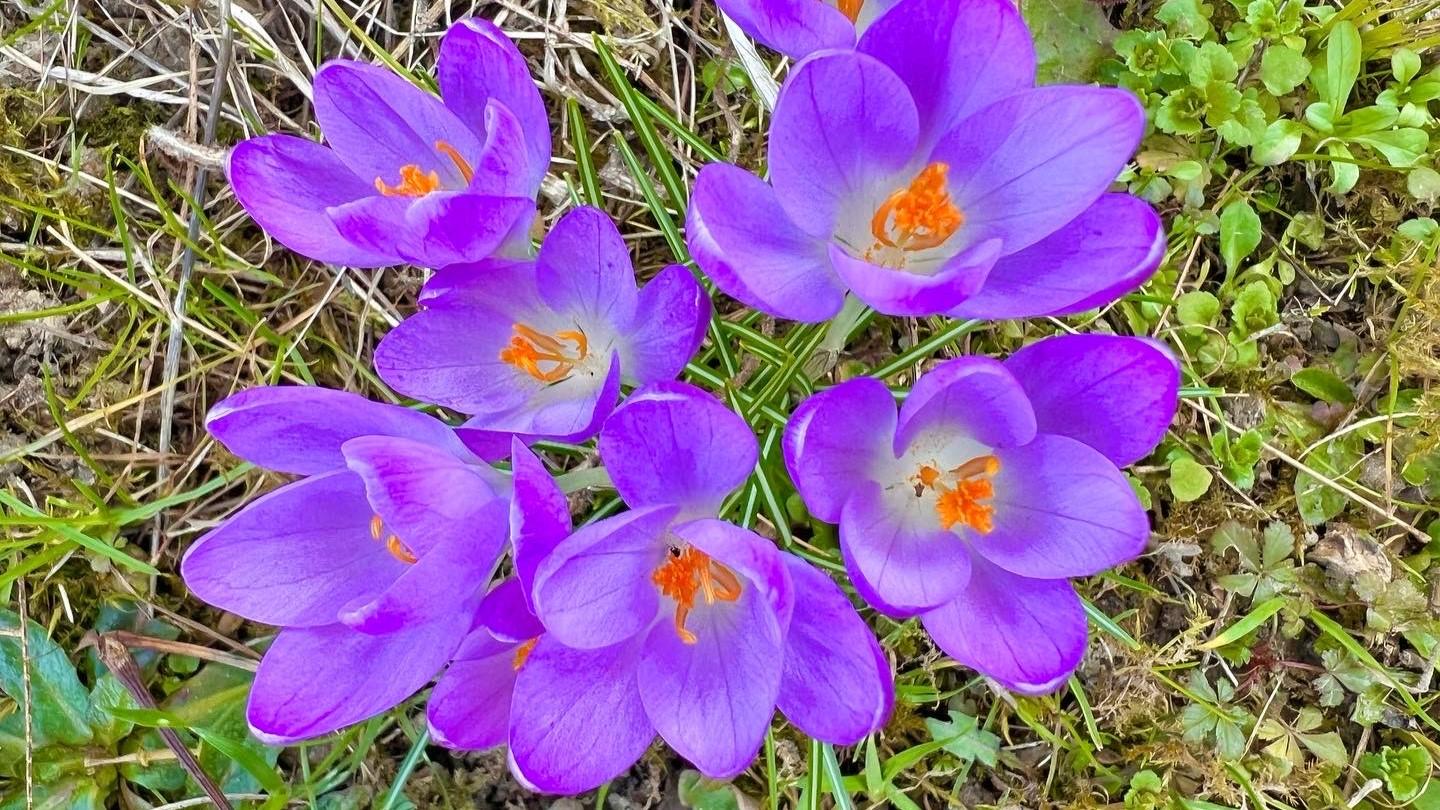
931,180
407,177
667,619
372,564
797,28
995,484
540,348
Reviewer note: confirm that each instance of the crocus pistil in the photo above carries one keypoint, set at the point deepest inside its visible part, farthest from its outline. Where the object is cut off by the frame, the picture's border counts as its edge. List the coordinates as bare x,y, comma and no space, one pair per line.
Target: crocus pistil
687,571
963,501
919,216
530,347
393,544
414,182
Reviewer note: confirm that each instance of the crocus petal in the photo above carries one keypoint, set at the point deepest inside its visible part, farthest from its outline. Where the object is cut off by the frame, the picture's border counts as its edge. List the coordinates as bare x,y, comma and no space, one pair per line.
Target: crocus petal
539,515
315,680
299,429
444,227
295,556
502,168
1028,634
1061,510
498,283
746,243
975,52
837,684
1026,165
583,269
469,708
424,497
569,411
712,700
378,122
901,293
1116,394
505,613
835,442
893,543
479,64
1107,251
792,27
448,579
594,590
671,443
671,316
843,121
748,554
576,719
970,397
286,183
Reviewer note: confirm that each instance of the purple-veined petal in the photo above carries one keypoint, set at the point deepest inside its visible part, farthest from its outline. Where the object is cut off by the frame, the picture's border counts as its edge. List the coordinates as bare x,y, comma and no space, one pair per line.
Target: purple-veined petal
501,284
378,122
903,293
595,590
969,397
843,121
746,243
424,497
671,316
469,708
505,613
837,684
795,28
438,229
1107,251
539,515
502,168
1061,510
747,554
1028,634
584,269
975,52
299,429
835,442
1116,394
671,443
478,64
1030,163
712,700
893,543
315,680
568,411
577,720
295,556
287,183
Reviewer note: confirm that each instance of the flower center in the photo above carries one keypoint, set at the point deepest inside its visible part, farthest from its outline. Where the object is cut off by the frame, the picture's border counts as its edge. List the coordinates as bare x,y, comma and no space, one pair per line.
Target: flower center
397,549
522,653
416,183
687,572
962,501
916,217
850,8
530,347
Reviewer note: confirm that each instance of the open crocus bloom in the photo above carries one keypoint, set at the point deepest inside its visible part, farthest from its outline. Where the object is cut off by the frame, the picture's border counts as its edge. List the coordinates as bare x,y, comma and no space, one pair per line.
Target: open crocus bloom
540,348
930,180
665,619
993,485
407,177
372,564
798,27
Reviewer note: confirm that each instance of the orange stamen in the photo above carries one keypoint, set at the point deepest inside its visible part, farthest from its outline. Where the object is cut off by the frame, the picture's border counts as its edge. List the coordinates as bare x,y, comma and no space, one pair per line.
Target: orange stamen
397,549
522,653
530,347
963,503
688,572
417,183
919,216
851,8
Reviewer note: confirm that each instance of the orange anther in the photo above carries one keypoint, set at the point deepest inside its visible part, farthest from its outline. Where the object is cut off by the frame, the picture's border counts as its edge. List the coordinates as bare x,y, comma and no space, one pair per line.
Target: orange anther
919,216
413,183
530,347
962,503
397,549
522,653
851,8
461,164
688,572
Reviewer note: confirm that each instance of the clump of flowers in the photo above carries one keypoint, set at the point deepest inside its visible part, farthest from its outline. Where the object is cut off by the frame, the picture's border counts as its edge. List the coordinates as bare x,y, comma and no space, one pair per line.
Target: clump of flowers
914,166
